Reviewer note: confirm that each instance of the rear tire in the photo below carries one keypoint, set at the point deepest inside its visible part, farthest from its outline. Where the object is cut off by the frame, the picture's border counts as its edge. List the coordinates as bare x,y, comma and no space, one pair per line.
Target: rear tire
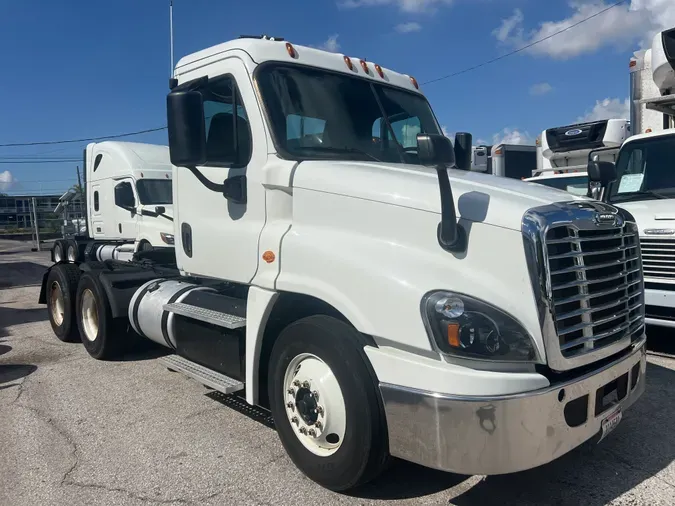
61,294
335,431
102,336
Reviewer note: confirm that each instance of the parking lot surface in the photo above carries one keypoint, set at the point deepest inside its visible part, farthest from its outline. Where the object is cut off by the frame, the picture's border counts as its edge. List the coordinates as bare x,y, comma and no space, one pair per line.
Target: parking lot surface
76,431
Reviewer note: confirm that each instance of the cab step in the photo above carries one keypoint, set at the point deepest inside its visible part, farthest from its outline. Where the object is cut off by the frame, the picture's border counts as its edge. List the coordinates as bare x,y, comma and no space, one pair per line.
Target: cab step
219,318
204,375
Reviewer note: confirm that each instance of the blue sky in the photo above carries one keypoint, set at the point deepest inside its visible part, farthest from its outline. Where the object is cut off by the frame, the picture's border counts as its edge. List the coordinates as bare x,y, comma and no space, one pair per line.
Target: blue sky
79,68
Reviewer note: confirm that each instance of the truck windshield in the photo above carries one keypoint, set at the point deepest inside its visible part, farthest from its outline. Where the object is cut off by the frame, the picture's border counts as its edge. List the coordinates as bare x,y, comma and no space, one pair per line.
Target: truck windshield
577,185
154,191
645,170
318,114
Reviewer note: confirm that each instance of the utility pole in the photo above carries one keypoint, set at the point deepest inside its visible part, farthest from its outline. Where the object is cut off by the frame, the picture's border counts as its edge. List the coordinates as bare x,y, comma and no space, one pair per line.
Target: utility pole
37,227
171,33
79,181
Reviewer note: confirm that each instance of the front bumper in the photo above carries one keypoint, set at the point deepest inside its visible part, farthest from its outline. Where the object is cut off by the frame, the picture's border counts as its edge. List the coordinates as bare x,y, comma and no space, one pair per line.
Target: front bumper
505,434
660,310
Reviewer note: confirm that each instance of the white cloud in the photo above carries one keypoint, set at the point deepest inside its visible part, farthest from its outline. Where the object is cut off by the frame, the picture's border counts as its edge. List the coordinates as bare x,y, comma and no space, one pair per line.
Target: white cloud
512,136
540,89
331,44
404,5
6,180
408,27
621,26
609,108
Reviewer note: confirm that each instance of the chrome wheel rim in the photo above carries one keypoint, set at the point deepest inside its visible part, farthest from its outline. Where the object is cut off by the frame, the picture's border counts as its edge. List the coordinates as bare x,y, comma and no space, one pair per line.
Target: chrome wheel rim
58,253
56,303
89,315
72,253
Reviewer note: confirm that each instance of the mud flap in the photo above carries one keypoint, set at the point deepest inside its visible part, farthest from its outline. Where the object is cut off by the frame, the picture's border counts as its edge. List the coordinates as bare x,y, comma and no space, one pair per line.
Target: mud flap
43,289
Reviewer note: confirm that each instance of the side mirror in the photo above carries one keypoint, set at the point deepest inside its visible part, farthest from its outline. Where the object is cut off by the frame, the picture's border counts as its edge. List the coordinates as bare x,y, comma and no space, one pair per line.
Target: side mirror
160,209
124,196
435,149
463,150
187,130
601,172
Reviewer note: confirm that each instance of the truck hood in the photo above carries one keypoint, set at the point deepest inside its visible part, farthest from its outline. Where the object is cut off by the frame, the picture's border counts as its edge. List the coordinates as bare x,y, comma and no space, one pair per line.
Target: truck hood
652,214
478,197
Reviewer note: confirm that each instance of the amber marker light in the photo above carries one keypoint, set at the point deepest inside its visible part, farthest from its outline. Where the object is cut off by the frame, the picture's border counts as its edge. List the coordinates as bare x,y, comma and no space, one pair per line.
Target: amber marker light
453,335
349,63
379,70
414,83
268,256
291,50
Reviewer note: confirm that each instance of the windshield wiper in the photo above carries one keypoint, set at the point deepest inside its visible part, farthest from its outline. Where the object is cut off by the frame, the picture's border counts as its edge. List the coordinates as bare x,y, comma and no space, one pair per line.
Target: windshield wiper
642,193
346,149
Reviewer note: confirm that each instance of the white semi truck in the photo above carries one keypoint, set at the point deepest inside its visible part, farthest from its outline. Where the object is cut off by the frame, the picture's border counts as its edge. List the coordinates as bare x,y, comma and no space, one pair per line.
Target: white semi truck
128,193
645,183
377,300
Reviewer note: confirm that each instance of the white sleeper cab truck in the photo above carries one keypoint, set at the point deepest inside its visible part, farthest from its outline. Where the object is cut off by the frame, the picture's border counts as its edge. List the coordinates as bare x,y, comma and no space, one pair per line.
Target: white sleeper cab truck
334,266
128,203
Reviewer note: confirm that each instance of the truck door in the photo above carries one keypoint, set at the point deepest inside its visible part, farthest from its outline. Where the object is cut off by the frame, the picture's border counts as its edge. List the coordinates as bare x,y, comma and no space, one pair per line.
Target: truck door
126,217
215,236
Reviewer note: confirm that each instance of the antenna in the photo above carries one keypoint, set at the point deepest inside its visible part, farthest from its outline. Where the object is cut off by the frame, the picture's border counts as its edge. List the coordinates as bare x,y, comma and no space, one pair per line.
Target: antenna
171,32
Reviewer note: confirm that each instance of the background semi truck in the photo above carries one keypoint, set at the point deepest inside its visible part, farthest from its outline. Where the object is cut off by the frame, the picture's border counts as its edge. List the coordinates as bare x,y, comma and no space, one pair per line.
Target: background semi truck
128,195
377,300
645,170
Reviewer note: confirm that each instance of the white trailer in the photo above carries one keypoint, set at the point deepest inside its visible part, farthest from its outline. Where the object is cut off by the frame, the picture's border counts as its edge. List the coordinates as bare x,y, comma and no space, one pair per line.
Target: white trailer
377,300
128,192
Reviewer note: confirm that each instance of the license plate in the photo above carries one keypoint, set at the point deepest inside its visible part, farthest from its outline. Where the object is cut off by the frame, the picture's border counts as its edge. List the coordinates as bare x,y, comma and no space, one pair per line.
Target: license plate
610,423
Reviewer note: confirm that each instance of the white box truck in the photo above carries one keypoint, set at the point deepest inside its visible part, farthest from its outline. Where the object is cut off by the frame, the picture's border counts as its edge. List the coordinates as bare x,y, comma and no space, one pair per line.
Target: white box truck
128,193
377,300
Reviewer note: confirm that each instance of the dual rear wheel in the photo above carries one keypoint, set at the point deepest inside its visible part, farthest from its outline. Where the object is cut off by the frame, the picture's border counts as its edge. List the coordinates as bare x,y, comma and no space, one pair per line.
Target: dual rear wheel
78,310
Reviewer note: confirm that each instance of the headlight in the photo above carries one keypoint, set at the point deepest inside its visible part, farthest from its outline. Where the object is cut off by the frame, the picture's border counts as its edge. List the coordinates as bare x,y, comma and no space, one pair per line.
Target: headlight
167,238
462,326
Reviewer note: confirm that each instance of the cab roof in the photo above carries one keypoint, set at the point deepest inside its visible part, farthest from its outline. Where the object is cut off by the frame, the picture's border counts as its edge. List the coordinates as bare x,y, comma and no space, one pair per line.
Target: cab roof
261,50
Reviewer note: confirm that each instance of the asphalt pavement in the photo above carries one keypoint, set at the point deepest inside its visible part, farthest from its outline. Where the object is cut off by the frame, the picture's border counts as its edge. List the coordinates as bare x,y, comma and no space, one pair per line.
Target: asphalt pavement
76,431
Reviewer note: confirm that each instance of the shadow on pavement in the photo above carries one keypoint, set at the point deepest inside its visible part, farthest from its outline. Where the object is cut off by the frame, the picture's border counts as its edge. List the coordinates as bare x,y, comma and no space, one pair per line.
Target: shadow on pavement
13,372
405,480
14,274
14,316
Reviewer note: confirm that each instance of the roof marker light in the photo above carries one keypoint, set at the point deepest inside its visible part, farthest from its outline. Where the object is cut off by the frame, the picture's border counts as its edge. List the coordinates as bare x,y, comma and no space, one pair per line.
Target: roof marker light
349,63
364,66
414,83
648,131
379,70
291,50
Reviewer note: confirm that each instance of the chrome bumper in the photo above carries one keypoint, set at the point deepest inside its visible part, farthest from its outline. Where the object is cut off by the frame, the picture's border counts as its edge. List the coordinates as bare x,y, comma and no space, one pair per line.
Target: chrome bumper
505,434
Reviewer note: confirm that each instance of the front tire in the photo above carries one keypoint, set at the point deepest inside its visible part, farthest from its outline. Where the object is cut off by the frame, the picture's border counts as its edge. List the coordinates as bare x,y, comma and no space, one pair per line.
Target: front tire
326,403
62,284
102,336
59,251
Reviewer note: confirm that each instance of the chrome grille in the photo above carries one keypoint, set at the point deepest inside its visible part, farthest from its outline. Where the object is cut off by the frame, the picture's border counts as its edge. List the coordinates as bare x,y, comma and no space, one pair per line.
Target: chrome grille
658,258
595,284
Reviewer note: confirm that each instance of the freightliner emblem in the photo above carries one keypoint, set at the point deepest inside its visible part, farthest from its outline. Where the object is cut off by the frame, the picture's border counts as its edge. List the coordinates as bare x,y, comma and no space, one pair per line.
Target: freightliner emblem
605,218
659,231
